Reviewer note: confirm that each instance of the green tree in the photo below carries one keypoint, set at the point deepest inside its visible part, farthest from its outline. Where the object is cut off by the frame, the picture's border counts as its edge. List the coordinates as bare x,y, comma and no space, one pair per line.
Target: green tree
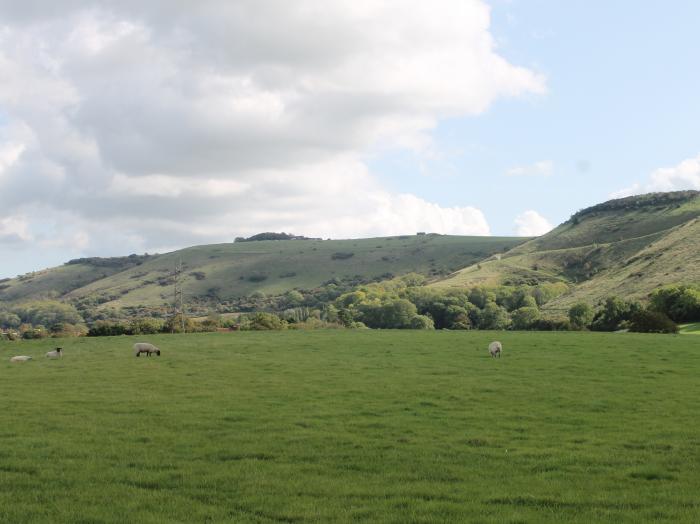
494,316
614,314
581,315
680,303
422,322
650,321
525,317
293,298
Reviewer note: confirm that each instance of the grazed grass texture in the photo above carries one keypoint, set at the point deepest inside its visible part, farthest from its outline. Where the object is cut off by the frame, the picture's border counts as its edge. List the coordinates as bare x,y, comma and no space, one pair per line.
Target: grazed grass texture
273,267
353,426
690,329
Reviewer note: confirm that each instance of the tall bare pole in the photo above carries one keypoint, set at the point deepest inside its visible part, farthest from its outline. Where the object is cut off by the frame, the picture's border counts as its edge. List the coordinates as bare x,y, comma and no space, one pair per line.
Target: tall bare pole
178,302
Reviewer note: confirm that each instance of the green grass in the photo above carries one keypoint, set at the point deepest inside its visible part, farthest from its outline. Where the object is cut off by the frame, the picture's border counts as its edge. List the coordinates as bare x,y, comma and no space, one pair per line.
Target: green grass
690,329
624,253
353,426
225,271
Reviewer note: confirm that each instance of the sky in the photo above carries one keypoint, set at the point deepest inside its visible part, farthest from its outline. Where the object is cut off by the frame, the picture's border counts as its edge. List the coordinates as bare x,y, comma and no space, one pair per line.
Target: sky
132,127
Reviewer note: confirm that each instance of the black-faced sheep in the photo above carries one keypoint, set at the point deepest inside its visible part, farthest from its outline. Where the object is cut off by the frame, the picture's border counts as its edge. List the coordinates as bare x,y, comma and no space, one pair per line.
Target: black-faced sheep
495,349
56,353
146,348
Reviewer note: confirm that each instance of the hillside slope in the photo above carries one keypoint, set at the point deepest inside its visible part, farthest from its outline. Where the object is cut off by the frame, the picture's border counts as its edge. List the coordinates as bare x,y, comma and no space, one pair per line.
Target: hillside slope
625,247
225,271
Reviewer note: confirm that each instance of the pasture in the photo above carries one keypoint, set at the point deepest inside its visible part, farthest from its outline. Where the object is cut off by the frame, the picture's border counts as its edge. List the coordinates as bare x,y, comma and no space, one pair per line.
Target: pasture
353,426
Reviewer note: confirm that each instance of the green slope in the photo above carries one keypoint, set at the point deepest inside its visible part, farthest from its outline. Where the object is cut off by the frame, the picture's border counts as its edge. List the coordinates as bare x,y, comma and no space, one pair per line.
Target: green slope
626,247
226,271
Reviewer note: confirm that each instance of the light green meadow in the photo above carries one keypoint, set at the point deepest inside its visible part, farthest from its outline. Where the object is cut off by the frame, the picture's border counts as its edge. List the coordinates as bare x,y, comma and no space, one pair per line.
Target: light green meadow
353,426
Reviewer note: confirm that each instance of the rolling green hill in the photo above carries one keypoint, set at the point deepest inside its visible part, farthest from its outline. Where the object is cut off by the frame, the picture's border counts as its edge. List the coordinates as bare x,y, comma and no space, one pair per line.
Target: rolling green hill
626,247
225,271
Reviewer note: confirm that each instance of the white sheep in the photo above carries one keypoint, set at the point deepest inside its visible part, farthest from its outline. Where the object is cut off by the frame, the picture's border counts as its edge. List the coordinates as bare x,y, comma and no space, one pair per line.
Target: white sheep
145,347
20,358
495,349
56,353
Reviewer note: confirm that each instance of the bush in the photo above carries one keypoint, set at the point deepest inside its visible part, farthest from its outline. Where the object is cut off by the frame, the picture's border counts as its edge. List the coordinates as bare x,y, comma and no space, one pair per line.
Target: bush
175,324
552,324
109,328
265,321
581,315
680,303
342,256
649,321
422,322
525,317
613,314
494,316
146,326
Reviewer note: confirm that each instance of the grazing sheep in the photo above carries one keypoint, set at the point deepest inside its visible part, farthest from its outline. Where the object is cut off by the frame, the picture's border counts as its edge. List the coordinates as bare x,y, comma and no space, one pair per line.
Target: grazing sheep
56,353
145,347
495,349
20,358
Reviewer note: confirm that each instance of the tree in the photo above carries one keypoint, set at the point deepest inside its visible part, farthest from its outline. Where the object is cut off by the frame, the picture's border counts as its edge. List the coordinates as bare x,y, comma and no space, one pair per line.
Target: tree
525,317
265,321
293,298
613,314
649,321
494,316
457,317
580,315
480,296
175,324
9,320
422,322
680,303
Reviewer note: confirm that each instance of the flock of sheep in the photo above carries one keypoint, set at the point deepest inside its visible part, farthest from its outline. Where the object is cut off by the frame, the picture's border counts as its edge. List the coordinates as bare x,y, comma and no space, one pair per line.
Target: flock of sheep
147,349
139,348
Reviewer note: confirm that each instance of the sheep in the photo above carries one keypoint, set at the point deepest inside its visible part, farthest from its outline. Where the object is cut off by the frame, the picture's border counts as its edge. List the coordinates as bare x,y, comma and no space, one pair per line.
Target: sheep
495,349
56,353
145,347
20,358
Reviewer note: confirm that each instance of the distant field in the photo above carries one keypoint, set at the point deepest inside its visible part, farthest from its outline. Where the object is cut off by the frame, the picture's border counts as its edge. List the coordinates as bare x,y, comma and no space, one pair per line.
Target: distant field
225,271
690,329
343,426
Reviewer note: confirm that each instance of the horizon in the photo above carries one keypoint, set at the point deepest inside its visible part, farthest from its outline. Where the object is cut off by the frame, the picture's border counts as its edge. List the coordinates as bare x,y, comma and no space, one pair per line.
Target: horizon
139,129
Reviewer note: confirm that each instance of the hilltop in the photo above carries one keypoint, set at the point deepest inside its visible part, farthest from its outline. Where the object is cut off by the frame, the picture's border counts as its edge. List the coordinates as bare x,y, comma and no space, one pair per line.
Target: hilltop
222,272
626,247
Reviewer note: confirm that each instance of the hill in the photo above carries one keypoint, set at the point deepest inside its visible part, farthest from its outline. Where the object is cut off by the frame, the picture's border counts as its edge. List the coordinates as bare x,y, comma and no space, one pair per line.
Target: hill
626,247
221,272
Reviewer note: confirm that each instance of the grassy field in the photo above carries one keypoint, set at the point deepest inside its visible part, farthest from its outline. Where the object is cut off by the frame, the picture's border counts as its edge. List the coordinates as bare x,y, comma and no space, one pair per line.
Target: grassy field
343,426
690,329
625,253
225,271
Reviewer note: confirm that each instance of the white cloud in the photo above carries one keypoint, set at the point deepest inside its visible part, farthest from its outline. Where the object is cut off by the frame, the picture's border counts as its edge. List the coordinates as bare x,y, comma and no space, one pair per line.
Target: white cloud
9,153
14,229
153,124
685,175
541,168
531,224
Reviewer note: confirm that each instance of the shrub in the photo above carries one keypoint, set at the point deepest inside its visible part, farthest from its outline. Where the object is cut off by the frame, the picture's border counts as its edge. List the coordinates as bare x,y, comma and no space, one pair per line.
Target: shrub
109,328
525,317
422,322
342,256
649,321
581,315
680,303
265,321
494,316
